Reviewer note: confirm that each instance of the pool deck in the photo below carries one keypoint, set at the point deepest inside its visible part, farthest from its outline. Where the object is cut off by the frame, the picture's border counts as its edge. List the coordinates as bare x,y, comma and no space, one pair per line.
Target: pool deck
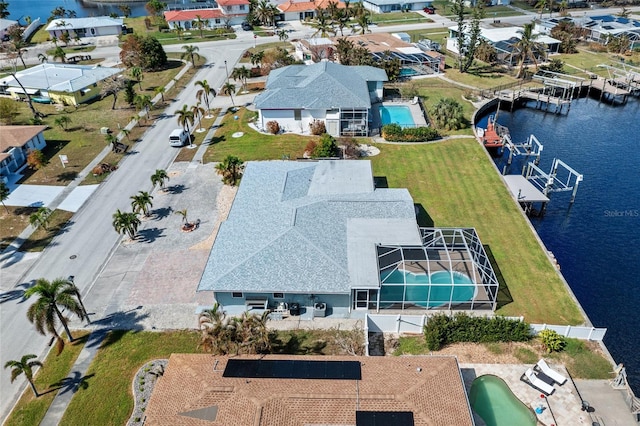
416,112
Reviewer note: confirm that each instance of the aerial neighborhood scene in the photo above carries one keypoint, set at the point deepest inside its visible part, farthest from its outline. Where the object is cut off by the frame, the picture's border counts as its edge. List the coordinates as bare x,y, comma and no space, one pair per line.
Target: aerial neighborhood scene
320,212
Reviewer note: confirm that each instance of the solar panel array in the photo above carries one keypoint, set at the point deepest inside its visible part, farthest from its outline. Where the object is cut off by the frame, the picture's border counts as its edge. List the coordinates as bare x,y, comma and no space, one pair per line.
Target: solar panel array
293,369
384,418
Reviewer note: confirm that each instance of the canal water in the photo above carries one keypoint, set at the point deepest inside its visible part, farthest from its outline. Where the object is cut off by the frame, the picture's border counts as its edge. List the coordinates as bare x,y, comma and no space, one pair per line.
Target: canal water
597,240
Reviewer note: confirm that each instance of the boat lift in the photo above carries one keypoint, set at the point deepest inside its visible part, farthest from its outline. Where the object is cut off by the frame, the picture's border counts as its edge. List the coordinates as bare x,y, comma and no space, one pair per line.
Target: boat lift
530,148
550,182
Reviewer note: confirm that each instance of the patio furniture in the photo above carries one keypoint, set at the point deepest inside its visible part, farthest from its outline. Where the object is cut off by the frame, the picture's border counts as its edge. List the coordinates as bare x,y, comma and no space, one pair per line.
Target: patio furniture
536,382
548,371
414,101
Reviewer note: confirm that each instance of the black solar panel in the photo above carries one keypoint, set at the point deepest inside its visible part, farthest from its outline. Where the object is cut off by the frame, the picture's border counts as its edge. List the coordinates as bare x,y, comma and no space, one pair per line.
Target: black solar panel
293,369
384,418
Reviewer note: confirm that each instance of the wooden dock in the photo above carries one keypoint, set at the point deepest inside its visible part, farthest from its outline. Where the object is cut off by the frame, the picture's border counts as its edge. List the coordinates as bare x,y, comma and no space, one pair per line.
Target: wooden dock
542,100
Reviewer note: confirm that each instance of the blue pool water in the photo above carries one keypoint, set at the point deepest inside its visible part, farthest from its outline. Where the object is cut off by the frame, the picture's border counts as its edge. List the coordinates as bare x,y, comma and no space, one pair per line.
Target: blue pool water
423,293
597,241
396,114
407,72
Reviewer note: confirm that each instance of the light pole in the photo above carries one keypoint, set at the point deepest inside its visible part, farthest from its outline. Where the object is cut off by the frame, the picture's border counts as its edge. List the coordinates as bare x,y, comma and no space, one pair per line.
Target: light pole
71,281
226,69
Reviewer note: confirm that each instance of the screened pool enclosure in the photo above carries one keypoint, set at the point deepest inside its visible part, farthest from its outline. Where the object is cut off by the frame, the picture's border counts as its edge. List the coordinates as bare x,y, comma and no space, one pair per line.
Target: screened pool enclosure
450,270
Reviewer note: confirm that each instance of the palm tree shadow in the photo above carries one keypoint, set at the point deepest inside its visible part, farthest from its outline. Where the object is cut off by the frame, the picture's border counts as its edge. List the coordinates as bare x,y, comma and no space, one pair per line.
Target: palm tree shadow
176,189
150,235
114,326
162,212
72,384
16,293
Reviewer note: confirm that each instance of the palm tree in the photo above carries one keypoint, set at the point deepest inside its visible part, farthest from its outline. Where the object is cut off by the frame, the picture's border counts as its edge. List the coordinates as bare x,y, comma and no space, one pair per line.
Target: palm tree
256,58
24,366
59,53
200,24
63,122
230,169
363,22
283,36
179,30
198,112
126,132
143,103
137,73
4,194
40,218
229,89
203,94
160,90
159,178
191,52
527,48
45,312
126,223
141,203
323,25
185,117
183,213
242,73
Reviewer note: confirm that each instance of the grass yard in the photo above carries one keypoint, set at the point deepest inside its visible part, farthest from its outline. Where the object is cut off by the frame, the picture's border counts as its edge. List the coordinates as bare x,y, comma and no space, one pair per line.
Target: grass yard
17,220
171,37
458,186
481,75
31,410
252,145
398,18
443,8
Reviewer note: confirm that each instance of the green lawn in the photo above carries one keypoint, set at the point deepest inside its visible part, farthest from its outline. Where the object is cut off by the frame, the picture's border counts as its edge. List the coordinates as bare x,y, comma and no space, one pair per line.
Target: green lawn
171,37
41,238
31,410
252,145
458,186
398,18
443,8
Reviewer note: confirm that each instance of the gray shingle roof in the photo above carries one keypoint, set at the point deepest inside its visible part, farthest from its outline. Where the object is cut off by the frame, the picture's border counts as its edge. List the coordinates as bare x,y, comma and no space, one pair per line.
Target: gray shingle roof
60,77
279,237
324,85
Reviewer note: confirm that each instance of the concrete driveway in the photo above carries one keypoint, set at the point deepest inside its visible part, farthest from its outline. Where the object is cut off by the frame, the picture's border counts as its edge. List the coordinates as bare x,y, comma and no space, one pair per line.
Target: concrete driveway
44,196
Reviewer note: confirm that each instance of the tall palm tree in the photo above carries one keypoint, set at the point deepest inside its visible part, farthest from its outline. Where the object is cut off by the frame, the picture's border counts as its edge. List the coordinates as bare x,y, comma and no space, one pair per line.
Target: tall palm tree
242,74
197,112
126,223
45,313
59,53
200,24
24,366
137,73
229,89
143,103
184,117
256,58
203,94
142,203
363,22
527,48
191,52
230,169
40,218
159,178
160,90
323,24
283,36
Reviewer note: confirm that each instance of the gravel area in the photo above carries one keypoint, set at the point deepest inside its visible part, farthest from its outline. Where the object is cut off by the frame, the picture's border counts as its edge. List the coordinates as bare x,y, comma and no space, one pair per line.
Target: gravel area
142,385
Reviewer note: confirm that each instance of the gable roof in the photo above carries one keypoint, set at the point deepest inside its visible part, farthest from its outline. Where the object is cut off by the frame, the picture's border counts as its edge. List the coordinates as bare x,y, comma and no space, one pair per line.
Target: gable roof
78,23
291,218
6,23
16,136
190,15
60,77
324,85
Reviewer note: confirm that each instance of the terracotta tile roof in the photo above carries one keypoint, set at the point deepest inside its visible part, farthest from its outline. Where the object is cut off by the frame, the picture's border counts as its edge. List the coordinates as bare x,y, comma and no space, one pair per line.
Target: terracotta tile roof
224,3
302,6
190,15
435,394
14,136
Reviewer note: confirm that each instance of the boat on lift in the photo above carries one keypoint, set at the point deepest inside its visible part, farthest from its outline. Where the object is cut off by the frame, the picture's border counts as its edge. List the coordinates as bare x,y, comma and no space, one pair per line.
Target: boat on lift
493,136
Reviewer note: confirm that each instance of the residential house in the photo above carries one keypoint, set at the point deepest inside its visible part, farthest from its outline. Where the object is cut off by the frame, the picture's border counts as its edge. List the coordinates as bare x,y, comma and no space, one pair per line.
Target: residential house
383,6
339,95
85,27
227,14
15,144
5,24
320,234
504,40
293,10
599,28
267,390
61,83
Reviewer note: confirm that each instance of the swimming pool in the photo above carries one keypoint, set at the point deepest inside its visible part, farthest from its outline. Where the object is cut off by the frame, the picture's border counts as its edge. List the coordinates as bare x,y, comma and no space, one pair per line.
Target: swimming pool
396,114
438,288
408,72
492,399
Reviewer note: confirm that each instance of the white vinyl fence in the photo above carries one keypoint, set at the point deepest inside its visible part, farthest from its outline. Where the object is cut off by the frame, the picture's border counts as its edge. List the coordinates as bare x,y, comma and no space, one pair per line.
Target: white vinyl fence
413,324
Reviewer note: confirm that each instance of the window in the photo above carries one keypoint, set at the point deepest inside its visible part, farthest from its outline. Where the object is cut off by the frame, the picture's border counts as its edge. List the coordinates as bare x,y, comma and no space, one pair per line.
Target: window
217,20
242,7
278,295
297,114
236,295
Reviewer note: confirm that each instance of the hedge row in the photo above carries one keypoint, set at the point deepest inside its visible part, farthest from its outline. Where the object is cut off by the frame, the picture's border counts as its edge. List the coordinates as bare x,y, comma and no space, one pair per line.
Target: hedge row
396,133
442,330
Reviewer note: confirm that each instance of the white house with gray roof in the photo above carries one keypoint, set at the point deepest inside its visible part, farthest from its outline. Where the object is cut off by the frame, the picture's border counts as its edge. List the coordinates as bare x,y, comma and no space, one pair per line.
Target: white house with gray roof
339,95
383,6
62,83
321,232
85,27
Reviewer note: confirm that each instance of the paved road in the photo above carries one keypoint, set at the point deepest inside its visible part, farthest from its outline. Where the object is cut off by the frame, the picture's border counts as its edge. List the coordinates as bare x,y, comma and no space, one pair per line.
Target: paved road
90,239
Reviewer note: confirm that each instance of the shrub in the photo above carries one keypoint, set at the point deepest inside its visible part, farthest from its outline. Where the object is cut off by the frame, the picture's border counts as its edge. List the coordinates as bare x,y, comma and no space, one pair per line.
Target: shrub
552,341
317,127
350,148
442,330
395,133
326,147
311,147
273,127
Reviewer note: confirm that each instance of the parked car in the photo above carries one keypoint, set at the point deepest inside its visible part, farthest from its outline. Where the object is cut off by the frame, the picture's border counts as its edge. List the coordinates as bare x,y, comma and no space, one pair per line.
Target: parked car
247,26
430,10
179,137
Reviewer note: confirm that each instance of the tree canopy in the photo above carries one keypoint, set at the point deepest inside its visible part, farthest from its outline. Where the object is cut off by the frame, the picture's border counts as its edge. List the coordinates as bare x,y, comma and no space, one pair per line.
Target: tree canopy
144,52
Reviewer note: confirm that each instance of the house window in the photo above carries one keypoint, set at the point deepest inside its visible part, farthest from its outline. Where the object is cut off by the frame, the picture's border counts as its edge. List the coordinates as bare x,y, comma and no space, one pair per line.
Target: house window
278,295
229,8
217,20
242,7
297,114
236,295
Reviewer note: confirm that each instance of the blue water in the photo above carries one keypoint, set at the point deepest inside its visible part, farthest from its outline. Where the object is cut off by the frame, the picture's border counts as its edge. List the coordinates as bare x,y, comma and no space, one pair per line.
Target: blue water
396,114
42,8
407,72
424,294
597,240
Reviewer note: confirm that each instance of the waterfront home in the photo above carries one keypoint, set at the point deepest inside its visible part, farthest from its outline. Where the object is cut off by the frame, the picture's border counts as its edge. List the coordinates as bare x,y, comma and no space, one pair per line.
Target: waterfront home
60,83
383,6
85,27
339,95
227,14
5,24
319,237
293,10
15,144
598,28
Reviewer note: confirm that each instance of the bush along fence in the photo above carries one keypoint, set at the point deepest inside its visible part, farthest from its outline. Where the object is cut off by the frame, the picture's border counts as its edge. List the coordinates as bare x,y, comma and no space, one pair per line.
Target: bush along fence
396,133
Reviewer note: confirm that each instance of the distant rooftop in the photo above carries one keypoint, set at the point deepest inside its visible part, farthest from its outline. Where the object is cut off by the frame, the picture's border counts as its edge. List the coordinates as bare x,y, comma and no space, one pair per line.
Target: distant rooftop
79,23
60,77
